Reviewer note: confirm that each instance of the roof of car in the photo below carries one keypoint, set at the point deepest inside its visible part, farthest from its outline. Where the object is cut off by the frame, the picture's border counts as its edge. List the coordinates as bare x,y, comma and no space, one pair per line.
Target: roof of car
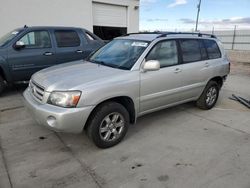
50,27
150,36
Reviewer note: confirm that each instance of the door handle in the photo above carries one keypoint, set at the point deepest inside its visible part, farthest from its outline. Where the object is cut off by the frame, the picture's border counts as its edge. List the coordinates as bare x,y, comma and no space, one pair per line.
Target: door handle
79,51
48,53
177,70
207,64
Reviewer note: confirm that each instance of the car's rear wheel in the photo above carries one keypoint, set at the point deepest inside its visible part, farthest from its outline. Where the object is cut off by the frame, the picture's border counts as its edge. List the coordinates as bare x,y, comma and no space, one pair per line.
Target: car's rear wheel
2,84
209,96
108,125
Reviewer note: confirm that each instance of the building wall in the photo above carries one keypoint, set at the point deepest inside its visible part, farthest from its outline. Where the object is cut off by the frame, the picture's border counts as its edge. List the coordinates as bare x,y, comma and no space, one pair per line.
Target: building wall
17,13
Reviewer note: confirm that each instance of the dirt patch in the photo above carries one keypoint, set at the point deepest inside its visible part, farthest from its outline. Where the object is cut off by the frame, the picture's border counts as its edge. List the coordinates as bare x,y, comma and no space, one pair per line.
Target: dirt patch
242,56
240,68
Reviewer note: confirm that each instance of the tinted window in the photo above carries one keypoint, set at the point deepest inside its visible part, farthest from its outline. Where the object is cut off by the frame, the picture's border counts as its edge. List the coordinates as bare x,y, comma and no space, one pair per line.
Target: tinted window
165,52
190,50
203,50
89,36
36,39
212,49
67,38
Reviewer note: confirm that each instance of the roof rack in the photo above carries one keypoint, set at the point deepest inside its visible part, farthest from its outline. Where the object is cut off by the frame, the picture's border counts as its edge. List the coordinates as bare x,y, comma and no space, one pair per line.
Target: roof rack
155,32
186,33
165,34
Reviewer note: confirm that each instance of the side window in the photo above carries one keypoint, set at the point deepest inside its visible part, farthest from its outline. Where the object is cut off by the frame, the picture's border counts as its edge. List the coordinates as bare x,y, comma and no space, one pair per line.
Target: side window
203,50
36,39
190,50
165,52
67,38
212,49
89,36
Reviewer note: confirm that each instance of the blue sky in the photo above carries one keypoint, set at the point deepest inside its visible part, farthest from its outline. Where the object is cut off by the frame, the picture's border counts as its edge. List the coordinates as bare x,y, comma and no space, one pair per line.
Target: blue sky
181,14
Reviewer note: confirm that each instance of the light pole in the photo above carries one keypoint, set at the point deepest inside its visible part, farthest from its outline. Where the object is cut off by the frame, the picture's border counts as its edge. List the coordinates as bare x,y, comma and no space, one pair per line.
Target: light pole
198,13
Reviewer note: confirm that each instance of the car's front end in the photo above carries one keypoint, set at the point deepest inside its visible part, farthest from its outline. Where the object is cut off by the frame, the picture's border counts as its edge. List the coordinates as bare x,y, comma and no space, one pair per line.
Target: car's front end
57,111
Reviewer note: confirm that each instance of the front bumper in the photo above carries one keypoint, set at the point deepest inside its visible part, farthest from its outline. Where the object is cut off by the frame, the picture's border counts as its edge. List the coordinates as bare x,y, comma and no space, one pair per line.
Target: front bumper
70,120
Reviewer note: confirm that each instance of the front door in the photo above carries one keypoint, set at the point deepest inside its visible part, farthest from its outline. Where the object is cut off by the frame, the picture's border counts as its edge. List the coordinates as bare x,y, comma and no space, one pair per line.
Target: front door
37,54
160,88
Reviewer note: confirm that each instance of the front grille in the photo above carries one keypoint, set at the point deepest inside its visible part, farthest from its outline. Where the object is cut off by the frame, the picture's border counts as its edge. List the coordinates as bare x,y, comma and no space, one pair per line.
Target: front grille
36,90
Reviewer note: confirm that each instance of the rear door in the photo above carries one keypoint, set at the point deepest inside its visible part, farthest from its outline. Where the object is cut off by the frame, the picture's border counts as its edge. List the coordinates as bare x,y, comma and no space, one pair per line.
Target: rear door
195,67
37,54
69,45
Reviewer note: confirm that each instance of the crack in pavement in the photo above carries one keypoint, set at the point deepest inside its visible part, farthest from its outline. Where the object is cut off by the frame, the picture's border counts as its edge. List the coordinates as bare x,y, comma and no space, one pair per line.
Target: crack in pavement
11,108
5,163
84,166
219,123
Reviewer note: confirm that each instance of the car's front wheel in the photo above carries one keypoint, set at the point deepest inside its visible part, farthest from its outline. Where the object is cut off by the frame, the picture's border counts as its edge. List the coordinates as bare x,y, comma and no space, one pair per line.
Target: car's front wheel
209,96
108,125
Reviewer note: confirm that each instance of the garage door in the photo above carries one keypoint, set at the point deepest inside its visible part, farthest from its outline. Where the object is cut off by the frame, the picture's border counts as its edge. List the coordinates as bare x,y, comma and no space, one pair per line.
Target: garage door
109,15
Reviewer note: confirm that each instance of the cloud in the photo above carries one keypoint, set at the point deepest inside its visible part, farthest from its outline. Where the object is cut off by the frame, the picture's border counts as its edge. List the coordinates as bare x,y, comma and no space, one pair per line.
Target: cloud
228,21
157,20
187,21
148,1
177,3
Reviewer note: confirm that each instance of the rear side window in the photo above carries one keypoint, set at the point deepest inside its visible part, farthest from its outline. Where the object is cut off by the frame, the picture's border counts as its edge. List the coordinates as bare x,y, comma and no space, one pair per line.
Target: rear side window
203,50
212,49
89,36
67,38
190,50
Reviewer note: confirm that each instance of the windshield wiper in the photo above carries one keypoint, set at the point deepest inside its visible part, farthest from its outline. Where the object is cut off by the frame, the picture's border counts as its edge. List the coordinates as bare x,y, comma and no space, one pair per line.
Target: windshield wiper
97,62
104,63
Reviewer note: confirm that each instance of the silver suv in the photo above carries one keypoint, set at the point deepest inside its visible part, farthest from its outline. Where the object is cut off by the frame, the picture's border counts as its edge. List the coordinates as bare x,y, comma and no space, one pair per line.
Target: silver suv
130,76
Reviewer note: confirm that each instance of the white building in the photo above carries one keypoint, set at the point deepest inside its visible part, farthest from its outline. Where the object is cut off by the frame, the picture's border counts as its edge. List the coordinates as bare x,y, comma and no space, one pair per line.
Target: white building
106,18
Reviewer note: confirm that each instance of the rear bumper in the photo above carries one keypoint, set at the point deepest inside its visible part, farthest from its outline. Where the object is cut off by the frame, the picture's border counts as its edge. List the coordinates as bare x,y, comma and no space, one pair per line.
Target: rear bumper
70,120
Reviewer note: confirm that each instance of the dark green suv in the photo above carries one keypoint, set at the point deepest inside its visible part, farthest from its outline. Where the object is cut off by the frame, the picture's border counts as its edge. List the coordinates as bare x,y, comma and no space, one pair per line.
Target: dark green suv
26,50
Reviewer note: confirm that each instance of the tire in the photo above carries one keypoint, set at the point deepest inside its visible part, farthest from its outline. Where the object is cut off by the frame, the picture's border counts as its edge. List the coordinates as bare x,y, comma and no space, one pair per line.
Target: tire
209,96
108,124
2,84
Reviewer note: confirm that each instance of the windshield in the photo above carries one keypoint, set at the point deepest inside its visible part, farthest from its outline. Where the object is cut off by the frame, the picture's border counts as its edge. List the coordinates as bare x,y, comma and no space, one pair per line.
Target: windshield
8,37
119,53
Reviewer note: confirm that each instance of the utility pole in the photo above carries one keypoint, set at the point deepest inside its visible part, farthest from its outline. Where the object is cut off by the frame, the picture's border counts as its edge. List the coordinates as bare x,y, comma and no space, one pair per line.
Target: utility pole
198,13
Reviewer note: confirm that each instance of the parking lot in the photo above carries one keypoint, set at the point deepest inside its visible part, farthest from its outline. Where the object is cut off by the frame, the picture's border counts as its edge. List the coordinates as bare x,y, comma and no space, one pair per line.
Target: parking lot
178,147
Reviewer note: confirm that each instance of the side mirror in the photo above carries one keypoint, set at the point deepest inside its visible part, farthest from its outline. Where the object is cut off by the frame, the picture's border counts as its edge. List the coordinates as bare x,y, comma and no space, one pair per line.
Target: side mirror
151,65
19,45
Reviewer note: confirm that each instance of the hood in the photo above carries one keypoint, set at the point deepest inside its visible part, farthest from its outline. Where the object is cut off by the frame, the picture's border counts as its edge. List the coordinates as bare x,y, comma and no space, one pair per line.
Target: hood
74,75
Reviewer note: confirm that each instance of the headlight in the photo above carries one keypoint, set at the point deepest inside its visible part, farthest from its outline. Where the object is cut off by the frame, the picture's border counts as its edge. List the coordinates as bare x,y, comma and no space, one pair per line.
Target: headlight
67,99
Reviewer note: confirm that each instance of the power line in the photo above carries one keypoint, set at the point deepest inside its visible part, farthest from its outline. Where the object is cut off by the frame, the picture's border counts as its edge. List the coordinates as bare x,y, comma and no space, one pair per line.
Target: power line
198,13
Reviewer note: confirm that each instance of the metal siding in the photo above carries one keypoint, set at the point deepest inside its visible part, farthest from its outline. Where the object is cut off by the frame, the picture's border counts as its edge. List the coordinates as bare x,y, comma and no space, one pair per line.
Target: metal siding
109,15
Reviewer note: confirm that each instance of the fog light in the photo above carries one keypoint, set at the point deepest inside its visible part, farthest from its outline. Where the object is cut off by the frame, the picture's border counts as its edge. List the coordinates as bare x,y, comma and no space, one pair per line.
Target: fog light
51,120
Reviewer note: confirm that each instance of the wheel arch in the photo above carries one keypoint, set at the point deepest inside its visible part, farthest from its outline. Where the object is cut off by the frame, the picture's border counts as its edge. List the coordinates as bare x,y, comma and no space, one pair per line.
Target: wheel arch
126,101
217,79
2,73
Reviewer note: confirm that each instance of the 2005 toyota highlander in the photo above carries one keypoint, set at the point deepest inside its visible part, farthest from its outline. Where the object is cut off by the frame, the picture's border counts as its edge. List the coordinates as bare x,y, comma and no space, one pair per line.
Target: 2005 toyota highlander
130,76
